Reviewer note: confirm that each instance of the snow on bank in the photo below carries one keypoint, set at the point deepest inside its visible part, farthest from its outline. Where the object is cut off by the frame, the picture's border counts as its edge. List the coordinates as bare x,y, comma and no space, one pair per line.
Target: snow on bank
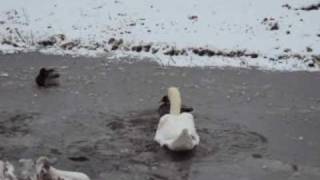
271,35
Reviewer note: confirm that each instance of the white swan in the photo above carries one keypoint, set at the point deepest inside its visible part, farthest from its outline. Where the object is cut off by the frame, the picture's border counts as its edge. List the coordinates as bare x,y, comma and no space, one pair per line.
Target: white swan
177,130
46,172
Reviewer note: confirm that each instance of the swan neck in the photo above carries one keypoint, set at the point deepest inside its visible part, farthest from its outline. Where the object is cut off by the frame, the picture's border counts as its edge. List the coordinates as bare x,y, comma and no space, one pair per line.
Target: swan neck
175,100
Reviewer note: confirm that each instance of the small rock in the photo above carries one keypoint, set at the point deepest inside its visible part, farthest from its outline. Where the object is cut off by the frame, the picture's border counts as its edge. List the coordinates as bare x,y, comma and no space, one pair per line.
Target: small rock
311,64
69,45
172,52
309,49
265,20
195,51
137,48
154,50
201,52
111,40
9,43
147,48
287,50
114,47
311,7
119,42
253,55
274,27
46,43
210,52
286,6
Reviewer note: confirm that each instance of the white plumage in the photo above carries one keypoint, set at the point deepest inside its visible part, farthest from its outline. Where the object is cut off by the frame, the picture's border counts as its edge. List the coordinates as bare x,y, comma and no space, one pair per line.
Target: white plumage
45,171
7,171
177,130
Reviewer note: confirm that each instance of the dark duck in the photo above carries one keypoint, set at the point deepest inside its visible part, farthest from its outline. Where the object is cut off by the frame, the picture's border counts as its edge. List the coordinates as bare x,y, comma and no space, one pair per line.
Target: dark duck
47,78
164,108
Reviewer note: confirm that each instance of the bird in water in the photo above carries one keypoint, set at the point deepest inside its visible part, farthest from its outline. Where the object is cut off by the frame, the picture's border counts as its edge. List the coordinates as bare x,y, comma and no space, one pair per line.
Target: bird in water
176,130
47,78
164,108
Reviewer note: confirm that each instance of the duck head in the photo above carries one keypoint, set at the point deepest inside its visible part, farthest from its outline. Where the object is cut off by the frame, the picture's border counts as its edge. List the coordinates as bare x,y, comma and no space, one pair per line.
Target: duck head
164,107
165,100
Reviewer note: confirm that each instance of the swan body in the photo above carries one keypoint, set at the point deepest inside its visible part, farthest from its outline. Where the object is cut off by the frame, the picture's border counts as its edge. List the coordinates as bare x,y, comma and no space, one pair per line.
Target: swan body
47,172
176,130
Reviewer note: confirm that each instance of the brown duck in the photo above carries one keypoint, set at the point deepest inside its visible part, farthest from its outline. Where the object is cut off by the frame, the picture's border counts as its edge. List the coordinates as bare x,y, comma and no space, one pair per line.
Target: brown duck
47,78
164,108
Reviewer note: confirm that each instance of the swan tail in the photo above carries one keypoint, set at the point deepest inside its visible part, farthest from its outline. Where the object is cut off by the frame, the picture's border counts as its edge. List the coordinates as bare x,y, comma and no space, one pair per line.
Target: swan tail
183,142
175,100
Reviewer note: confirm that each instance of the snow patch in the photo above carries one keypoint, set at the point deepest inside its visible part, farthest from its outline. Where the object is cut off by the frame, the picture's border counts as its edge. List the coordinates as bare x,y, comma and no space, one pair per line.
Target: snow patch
264,29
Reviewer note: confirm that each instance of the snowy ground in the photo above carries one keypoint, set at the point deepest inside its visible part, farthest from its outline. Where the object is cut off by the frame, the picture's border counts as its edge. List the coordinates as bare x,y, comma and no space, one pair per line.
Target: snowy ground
272,35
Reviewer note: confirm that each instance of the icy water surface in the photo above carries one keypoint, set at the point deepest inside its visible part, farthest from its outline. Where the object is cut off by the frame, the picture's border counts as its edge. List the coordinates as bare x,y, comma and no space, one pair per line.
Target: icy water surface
102,119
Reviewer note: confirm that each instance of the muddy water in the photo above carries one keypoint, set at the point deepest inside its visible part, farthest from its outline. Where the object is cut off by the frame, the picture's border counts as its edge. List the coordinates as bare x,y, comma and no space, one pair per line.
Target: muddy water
102,119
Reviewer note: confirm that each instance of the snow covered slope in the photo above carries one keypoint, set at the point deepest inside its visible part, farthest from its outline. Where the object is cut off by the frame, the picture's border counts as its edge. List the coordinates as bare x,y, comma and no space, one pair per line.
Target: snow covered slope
273,34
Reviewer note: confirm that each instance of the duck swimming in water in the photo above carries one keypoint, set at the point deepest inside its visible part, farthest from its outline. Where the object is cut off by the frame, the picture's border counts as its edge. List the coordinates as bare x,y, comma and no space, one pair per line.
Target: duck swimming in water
176,130
164,108
47,78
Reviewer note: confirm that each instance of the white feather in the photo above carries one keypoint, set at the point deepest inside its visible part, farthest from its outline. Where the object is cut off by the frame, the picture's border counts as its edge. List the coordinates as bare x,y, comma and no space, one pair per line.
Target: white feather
7,171
57,174
67,175
2,170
